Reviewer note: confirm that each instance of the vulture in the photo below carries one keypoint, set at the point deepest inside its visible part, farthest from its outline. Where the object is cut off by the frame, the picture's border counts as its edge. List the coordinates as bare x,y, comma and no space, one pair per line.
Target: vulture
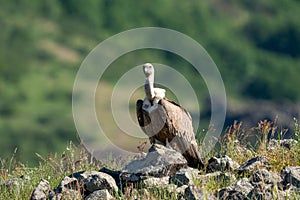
166,122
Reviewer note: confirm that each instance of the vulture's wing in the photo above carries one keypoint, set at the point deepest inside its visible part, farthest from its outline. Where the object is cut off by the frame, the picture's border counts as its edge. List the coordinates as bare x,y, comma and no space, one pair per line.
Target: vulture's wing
179,123
139,112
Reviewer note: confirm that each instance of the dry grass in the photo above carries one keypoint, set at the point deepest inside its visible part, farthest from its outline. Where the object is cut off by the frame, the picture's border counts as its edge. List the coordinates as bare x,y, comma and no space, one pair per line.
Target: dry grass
55,167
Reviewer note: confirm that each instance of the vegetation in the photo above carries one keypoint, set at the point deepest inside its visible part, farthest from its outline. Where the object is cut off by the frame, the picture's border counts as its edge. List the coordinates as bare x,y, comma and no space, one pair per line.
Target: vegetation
255,44
55,167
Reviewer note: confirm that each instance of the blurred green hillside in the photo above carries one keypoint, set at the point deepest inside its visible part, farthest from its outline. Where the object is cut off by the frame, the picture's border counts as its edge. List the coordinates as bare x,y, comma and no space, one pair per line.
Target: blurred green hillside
255,44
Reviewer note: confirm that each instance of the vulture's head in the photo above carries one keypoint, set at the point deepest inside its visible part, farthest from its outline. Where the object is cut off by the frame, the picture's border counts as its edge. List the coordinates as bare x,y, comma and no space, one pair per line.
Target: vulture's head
148,69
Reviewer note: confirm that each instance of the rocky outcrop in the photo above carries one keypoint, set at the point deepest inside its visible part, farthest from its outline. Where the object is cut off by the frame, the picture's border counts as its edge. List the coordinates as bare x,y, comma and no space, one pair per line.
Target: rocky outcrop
165,169
159,162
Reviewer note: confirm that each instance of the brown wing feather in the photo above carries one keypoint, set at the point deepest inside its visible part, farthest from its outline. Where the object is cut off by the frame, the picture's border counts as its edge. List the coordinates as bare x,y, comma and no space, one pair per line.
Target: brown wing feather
179,122
173,123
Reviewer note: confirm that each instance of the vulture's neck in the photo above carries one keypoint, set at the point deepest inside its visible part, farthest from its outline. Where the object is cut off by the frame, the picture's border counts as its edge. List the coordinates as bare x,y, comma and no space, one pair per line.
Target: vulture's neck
149,87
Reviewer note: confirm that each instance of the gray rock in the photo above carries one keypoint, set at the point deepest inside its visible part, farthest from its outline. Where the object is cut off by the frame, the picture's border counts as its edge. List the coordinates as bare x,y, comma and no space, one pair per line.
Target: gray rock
221,164
181,189
254,163
100,195
243,185
225,194
238,190
15,182
156,182
67,194
291,175
41,191
69,188
287,143
114,174
258,194
184,176
268,192
160,161
194,193
10,183
265,177
68,184
93,180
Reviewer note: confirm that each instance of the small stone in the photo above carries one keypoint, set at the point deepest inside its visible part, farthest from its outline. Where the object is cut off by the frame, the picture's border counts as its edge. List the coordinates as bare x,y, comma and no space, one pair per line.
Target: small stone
114,174
41,191
224,194
259,193
181,189
221,164
194,193
238,190
100,195
266,177
94,180
254,163
286,143
184,176
291,175
156,182
243,185
67,184
14,182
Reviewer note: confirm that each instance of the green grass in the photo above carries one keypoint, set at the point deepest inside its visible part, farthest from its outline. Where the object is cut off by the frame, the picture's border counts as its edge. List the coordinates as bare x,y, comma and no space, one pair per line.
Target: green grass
55,167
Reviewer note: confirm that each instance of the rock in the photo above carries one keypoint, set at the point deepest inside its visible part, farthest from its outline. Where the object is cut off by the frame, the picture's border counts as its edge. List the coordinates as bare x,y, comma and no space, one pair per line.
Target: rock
15,182
160,161
221,164
287,143
100,195
114,174
238,190
76,175
192,192
69,188
254,163
10,183
41,191
68,184
93,180
225,194
257,193
265,177
267,192
291,175
243,185
156,182
184,176
181,189
67,194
